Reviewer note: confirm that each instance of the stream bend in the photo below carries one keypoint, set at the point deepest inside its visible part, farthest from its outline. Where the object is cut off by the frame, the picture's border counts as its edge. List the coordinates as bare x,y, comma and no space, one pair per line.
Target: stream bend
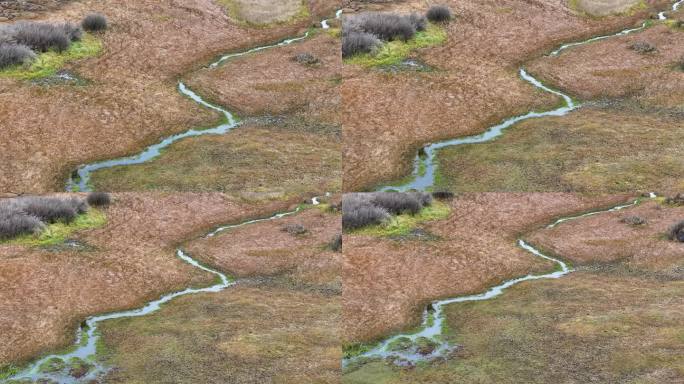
79,180
405,349
424,164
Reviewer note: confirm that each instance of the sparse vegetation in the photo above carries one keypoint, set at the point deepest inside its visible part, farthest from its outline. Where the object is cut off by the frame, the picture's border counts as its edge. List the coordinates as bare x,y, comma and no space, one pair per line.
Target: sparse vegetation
633,220
677,199
676,232
368,209
99,199
55,43
294,229
306,58
439,14
37,220
336,243
94,22
354,43
642,47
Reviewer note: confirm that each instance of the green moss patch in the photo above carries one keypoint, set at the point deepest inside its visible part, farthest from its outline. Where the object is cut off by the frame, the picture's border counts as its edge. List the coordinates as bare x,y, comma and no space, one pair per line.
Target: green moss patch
394,52
48,63
403,224
58,232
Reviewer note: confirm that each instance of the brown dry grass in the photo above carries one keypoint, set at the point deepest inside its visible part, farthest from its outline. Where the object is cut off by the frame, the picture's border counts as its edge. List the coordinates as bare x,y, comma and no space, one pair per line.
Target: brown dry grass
130,260
387,117
131,98
388,282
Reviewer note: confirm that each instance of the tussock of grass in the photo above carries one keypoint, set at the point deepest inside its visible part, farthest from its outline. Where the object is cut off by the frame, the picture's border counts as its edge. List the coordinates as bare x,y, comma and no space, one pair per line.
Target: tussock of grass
403,224
394,52
58,232
48,63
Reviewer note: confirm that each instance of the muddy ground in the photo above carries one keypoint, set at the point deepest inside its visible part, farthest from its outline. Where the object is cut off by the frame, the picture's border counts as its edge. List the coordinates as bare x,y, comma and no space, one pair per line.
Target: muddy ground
584,327
46,292
388,282
279,324
130,98
474,82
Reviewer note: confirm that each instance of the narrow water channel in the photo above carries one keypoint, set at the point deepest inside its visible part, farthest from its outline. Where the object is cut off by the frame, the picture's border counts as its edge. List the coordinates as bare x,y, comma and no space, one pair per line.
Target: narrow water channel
429,342
422,177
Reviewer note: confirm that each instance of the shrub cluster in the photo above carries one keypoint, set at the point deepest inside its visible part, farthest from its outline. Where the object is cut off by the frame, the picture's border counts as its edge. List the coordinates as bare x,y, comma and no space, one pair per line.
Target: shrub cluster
365,32
364,209
20,42
29,215
633,220
443,195
336,243
99,199
294,229
676,232
439,13
94,22
677,199
642,47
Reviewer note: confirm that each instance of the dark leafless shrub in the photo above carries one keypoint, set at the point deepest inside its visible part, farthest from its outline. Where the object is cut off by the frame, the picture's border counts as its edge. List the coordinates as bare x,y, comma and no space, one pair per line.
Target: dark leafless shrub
677,199
419,22
424,198
439,13
642,47
294,229
73,32
49,209
94,22
633,220
15,223
443,195
41,37
385,26
306,58
355,43
397,203
336,243
13,54
99,199
676,232
358,211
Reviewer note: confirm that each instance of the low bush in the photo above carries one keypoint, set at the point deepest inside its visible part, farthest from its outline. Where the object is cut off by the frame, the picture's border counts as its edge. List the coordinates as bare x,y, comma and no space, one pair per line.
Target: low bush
15,223
354,43
439,13
677,199
397,203
676,232
424,198
99,199
49,210
336,243
642,47
443,195
385,26
419,22
41,37
294,229
73,32
633,220
359,212
13,54
306,58
94,22
680,64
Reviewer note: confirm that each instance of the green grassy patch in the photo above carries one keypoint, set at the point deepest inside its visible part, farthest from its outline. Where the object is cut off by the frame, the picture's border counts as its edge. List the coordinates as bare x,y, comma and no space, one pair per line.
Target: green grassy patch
394,52
58,232
403,224
48,63
235,11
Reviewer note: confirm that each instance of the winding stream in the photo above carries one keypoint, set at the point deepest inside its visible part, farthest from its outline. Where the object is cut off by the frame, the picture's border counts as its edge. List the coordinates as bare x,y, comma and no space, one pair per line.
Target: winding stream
79,180
424,165
85,347
428,342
